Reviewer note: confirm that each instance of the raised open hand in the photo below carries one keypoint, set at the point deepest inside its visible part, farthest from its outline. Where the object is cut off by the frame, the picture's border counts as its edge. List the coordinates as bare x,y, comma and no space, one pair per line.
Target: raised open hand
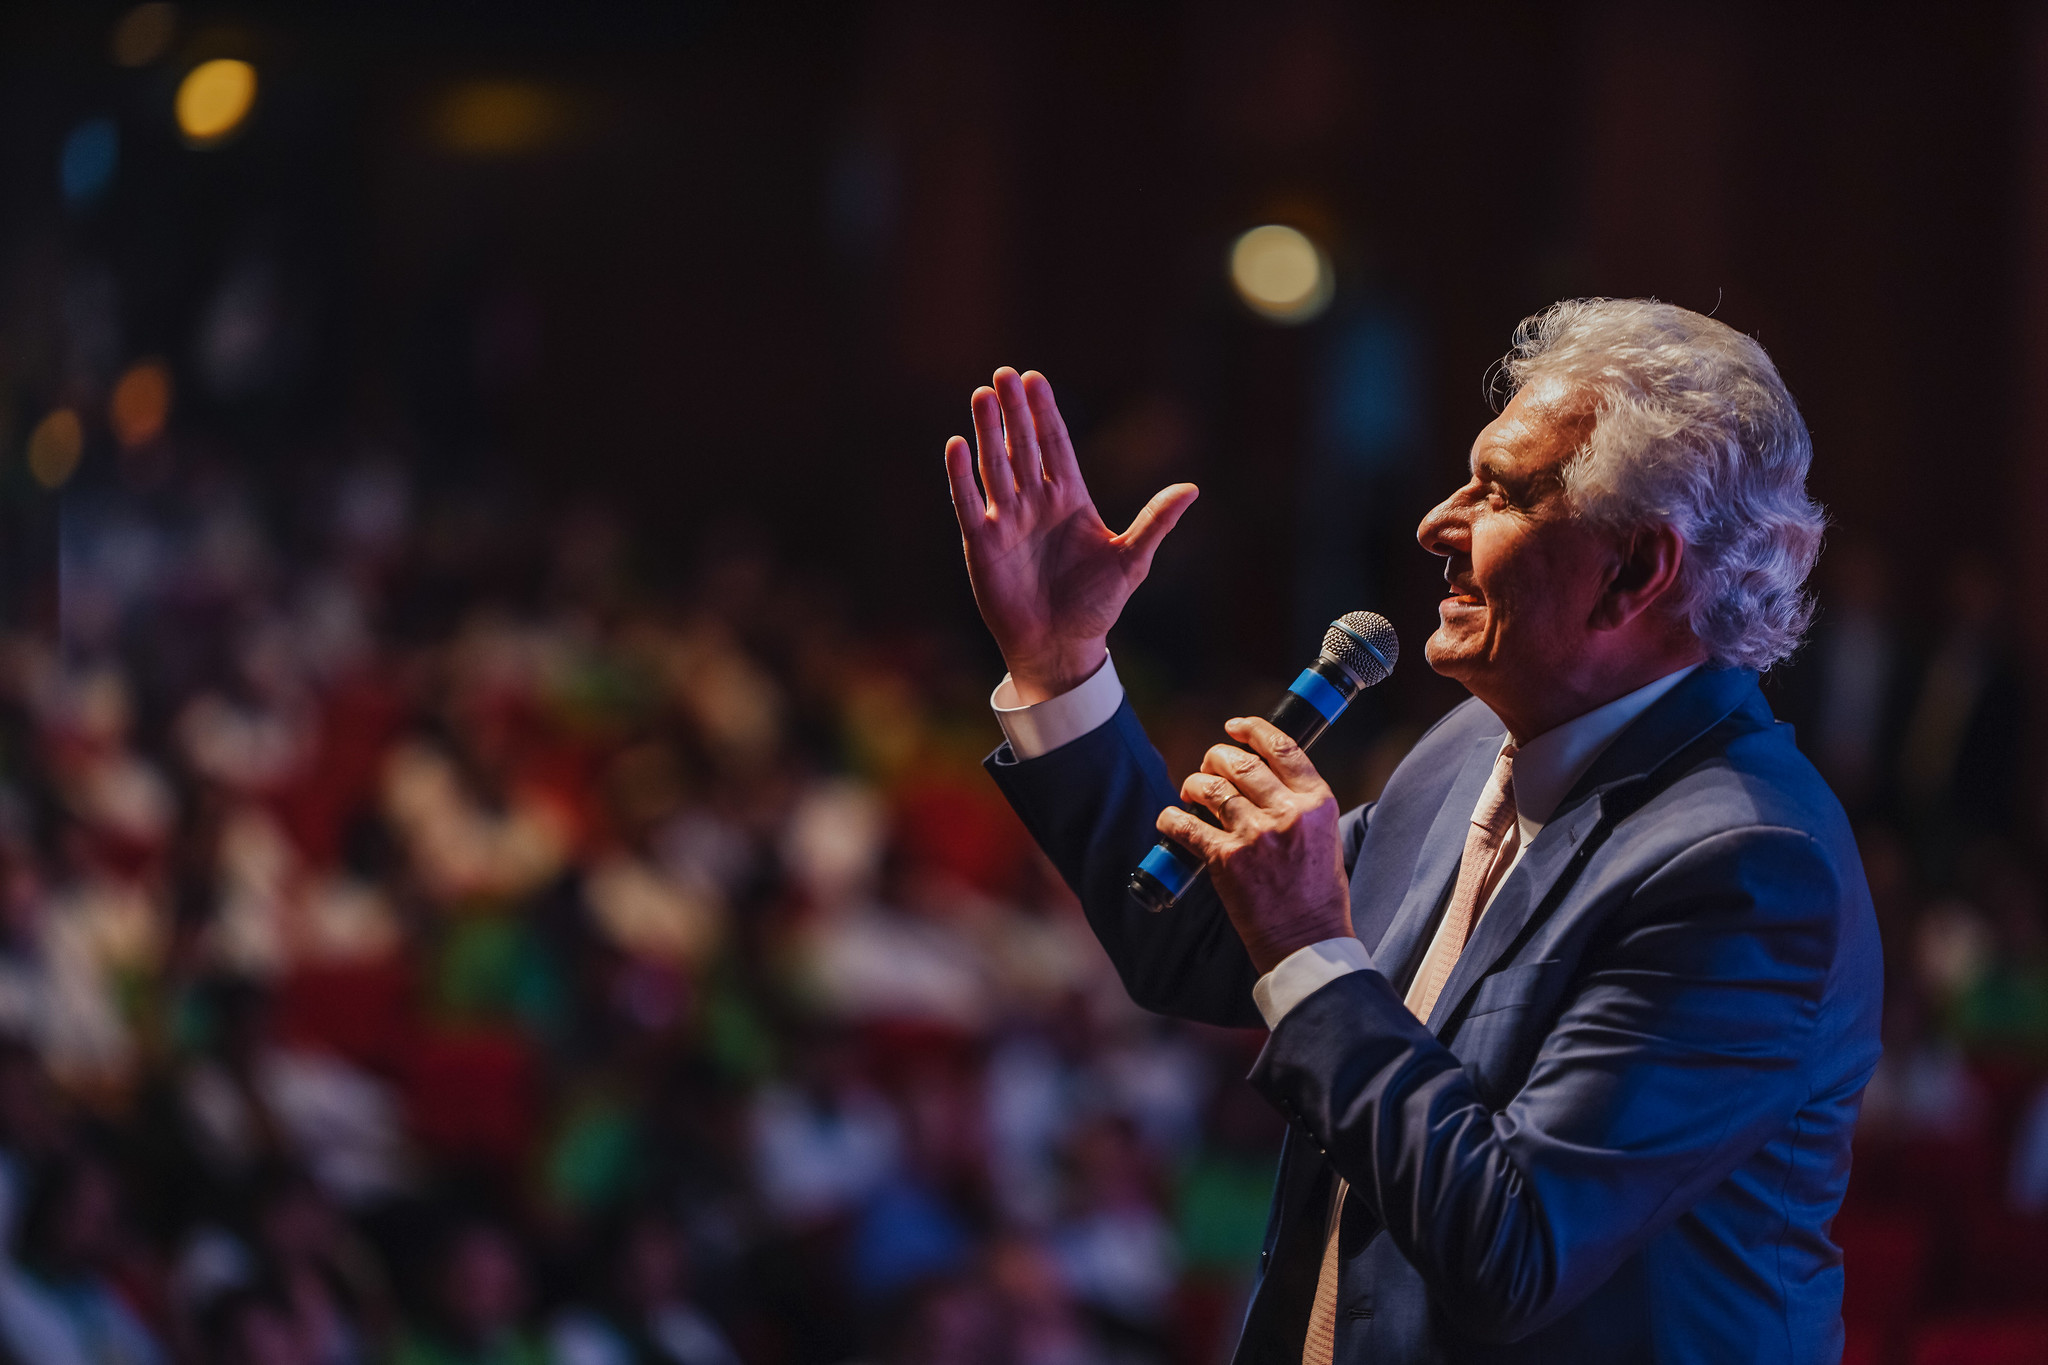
1049,576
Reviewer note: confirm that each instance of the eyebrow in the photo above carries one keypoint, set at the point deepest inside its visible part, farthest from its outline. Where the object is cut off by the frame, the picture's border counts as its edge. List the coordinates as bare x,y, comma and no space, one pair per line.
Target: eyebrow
1486,468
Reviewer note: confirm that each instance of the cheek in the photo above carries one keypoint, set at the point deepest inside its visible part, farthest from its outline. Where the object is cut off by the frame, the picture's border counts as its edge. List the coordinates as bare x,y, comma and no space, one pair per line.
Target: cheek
1527,571
1499,566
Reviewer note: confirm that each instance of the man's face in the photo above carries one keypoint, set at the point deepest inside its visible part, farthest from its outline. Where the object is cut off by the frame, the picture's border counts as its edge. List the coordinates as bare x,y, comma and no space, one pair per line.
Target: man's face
1522,573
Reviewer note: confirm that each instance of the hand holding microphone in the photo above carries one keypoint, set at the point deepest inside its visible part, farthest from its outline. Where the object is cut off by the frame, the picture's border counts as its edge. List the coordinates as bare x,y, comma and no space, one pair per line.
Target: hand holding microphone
1359,650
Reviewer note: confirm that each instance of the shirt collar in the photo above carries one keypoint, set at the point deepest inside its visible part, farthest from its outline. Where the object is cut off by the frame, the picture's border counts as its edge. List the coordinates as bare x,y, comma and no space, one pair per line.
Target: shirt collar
1547,766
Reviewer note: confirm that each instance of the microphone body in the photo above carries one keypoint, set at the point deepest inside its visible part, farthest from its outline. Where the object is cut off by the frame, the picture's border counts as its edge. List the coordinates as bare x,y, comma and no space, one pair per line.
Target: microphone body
1358,650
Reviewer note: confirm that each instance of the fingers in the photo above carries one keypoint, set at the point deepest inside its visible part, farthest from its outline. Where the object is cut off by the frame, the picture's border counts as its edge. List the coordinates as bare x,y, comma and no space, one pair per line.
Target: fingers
1245,772
1055,448
967,503
1155,519
1203,840
1283,756
989,454
1025,462
1229,805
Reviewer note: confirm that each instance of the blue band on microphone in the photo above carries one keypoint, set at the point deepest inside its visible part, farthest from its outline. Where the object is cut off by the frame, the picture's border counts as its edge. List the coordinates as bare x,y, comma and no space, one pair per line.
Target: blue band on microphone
1313,688
1168,870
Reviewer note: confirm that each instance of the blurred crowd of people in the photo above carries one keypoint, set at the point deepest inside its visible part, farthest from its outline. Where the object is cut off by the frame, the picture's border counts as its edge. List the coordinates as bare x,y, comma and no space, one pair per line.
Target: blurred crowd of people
419,944
1919,718
424,940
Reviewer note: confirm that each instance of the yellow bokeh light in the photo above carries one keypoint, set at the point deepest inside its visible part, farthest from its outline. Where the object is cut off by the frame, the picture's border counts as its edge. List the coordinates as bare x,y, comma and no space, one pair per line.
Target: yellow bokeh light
141,403
55,447
1281,274
498,118
145,33
214,99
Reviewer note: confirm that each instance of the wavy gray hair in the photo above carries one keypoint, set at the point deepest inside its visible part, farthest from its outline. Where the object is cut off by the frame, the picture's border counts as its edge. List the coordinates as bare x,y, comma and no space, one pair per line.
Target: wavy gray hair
1692,428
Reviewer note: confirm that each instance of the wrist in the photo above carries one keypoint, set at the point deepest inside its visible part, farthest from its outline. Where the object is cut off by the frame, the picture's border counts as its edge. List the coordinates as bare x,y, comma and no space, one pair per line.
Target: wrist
1273,949
1049,673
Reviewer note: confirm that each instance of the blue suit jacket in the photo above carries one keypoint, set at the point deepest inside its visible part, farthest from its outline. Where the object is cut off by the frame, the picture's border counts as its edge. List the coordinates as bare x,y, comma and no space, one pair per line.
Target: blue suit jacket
1625,1131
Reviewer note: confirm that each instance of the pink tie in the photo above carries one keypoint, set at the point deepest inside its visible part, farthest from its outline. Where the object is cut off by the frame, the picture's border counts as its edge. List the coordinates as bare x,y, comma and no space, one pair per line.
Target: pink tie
1478,873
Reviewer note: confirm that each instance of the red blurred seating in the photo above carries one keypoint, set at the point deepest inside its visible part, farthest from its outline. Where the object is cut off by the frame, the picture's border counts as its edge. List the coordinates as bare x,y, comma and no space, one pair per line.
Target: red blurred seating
470,1096
1865,1346
2004,1259
2011,1339
363,1011
1884,1254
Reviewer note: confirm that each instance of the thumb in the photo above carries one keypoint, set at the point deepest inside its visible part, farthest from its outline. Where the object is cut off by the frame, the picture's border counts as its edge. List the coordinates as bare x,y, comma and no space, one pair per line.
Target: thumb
1154,520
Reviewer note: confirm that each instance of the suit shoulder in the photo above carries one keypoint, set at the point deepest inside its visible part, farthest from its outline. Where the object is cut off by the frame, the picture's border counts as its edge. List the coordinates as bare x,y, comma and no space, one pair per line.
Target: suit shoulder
1760,777
1754,782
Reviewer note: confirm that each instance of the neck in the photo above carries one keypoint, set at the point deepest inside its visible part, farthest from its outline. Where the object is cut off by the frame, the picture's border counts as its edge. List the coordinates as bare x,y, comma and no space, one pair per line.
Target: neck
1529,708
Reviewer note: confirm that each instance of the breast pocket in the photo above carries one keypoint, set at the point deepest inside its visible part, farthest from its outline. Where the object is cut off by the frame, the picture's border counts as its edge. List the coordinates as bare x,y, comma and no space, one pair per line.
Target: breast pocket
1503,1027
1512,987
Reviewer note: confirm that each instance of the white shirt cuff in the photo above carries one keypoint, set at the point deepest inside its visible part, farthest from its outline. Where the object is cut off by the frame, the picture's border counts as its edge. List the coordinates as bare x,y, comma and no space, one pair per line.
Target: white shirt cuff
1041,727
1305,971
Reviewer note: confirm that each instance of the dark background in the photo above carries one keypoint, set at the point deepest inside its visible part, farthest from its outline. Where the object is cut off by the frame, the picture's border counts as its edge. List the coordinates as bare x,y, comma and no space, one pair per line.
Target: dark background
761,254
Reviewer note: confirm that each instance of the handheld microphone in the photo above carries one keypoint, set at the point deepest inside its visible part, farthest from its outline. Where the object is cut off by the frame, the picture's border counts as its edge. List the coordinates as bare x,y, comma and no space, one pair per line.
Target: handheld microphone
1359,649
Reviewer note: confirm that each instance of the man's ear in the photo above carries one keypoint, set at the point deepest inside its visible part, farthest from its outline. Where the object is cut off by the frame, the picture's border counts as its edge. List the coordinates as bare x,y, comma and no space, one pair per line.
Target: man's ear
1645,571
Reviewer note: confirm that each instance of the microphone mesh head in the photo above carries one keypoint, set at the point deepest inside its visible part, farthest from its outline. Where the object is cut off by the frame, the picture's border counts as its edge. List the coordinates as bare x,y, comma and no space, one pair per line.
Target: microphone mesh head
1363,644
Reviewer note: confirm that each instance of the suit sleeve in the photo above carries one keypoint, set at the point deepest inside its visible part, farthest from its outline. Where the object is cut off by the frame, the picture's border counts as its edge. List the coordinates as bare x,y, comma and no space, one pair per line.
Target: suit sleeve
1676,1056
1091,804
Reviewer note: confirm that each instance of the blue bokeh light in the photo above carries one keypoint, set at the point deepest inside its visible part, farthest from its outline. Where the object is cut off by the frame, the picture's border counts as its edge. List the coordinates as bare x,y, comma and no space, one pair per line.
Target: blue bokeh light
85,168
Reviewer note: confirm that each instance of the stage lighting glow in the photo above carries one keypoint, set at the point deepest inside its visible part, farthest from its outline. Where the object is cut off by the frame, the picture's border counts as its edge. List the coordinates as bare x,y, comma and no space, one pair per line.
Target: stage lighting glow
214,99
55,447
141,403
1281,274
498,118
144,34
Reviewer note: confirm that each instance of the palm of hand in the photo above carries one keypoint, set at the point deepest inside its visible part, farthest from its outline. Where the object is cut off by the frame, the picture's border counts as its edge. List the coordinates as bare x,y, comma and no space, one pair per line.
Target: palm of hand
1066,574
1048,574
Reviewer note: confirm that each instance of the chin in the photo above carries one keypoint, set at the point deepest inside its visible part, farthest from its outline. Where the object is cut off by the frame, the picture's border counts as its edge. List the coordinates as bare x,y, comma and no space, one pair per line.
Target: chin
1445,655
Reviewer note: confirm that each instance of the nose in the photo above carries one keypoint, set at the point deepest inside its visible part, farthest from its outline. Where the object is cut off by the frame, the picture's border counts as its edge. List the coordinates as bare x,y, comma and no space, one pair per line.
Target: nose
1443,530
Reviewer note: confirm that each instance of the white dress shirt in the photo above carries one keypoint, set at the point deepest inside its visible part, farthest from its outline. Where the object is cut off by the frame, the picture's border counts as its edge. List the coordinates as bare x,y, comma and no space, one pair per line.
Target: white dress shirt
1546,768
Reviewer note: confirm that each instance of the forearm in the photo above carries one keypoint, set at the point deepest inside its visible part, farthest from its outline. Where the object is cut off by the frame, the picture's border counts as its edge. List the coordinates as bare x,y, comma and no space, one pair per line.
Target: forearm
1399,1119
1091,805
1676,1055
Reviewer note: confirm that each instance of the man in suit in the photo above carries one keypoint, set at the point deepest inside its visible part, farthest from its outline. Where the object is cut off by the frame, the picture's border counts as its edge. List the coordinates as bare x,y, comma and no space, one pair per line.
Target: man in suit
1571,1025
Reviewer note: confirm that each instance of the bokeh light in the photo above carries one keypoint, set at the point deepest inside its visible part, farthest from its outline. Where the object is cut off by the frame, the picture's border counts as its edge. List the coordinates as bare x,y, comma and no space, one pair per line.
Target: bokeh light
498,118
214,99
144,33
85,168
141,403
55,447
1281,274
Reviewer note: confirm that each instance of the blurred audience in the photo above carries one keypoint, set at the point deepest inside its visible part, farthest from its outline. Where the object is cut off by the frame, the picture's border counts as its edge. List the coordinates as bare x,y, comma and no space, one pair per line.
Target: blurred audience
419,945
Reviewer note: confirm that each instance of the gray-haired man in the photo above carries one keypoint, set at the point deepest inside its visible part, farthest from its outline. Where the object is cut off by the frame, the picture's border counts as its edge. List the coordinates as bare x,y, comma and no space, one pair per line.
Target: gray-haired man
1571,1025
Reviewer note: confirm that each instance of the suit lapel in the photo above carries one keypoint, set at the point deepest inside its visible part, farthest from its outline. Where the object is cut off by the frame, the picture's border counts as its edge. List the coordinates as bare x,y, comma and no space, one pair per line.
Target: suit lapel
1680,717
1393,952
1525,889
